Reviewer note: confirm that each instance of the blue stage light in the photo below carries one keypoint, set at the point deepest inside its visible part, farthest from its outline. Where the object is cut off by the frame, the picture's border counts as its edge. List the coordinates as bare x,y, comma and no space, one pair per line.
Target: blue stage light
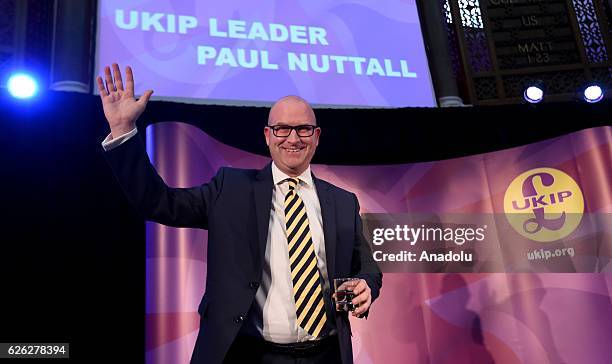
593,94
534,94
22,86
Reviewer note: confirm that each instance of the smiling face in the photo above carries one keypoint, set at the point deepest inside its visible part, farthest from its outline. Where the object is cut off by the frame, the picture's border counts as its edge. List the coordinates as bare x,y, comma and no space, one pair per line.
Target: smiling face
292,154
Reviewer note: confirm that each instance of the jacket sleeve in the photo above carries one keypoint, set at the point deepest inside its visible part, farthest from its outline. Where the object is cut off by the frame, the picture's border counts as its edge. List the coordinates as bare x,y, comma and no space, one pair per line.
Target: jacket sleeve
363,263
152,198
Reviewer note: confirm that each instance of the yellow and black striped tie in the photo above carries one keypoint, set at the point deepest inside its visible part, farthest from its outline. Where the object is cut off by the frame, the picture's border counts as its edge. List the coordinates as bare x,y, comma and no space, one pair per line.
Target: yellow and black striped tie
305,276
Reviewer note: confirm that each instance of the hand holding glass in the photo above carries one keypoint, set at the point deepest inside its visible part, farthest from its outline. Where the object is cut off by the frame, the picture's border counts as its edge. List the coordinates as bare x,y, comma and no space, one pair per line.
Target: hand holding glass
343,293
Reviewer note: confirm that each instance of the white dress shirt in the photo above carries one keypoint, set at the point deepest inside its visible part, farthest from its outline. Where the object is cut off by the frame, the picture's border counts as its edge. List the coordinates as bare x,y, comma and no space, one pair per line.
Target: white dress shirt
275,294
109,143
276,319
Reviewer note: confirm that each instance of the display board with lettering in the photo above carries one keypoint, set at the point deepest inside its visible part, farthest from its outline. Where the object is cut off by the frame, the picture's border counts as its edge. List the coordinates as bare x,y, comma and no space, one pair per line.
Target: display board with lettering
346,53
531,33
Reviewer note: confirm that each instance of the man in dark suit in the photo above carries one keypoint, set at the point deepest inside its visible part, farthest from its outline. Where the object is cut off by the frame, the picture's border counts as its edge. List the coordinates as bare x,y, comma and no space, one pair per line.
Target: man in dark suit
277,238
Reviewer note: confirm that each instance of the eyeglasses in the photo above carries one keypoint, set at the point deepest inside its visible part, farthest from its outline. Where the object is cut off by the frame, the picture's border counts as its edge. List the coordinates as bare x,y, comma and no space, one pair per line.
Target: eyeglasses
283,131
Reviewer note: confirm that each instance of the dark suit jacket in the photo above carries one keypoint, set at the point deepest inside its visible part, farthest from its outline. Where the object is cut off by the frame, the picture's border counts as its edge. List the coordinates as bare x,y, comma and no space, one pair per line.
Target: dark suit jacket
235,208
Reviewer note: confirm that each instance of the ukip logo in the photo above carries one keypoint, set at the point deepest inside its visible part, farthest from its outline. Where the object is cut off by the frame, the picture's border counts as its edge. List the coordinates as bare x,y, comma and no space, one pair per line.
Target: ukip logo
544,204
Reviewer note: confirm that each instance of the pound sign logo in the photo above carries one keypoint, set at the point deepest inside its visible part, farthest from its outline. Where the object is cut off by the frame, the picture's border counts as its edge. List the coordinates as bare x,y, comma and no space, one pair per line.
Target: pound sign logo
544,204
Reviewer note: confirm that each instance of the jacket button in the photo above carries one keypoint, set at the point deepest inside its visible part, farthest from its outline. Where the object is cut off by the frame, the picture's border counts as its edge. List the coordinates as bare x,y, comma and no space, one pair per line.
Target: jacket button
254,285
238,319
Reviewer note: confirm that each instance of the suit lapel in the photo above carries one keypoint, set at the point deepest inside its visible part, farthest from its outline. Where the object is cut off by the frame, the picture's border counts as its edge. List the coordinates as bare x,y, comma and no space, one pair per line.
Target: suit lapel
328,212
263,205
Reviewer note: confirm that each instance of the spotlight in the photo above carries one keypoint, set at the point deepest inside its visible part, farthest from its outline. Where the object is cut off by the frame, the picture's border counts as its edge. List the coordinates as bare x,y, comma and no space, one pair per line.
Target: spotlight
593,93
534,93
22,86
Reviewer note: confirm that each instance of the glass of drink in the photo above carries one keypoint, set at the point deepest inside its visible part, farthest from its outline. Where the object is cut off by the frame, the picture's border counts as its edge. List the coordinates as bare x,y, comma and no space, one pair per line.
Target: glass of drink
343,293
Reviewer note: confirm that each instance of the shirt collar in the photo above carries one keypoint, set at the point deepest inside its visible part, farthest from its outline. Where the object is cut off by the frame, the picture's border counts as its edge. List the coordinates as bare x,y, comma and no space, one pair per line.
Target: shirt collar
279,176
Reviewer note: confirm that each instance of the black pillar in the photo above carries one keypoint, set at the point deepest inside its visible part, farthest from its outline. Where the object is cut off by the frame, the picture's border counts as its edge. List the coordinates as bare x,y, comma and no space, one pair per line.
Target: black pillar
72,49
434,27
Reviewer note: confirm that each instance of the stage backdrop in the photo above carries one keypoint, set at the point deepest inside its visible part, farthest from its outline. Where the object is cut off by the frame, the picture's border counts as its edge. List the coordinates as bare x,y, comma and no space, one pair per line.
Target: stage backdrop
534,220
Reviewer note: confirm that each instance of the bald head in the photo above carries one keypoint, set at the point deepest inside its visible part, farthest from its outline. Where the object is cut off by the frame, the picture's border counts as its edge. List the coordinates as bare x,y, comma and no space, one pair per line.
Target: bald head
292,148
293,105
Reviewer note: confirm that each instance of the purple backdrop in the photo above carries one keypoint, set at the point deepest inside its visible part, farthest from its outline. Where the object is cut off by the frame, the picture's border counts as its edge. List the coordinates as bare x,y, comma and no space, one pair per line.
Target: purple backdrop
166,59
420,317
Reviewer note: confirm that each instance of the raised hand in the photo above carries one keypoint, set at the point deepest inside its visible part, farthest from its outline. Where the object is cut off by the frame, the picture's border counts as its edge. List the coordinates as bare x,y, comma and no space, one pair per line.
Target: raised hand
121,109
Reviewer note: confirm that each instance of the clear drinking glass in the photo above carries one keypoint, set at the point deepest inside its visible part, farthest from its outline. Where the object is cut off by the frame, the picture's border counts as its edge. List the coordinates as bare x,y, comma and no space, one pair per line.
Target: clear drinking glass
343,289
